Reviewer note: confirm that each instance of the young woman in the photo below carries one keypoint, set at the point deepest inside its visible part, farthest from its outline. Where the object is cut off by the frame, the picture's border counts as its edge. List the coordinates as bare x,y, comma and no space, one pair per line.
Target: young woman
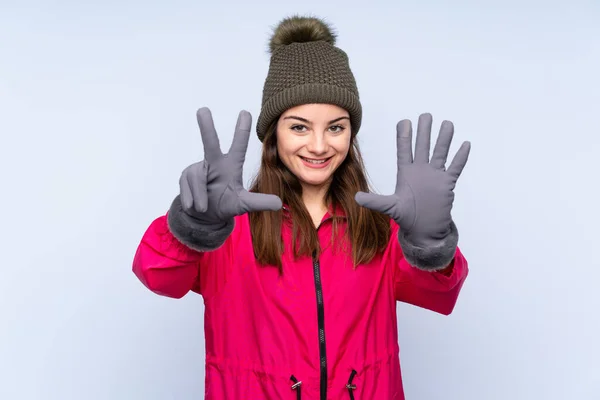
301,273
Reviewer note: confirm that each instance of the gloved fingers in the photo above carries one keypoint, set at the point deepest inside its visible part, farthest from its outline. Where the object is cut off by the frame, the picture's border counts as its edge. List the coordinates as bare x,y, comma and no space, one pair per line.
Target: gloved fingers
381,203
196,178
239,145
187,200
442,145
259,202
423,142
404,142
460,160
210,140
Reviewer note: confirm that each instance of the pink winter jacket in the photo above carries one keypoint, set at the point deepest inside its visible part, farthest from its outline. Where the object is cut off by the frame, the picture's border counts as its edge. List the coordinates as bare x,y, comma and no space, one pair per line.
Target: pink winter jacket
322,330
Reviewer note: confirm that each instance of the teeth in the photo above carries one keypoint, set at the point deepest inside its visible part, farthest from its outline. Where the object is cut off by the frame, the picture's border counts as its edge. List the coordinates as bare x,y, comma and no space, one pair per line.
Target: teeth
314,161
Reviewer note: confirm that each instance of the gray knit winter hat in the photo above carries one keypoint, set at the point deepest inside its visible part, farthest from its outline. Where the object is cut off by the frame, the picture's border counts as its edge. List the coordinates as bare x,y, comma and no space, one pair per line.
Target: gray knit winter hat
307,67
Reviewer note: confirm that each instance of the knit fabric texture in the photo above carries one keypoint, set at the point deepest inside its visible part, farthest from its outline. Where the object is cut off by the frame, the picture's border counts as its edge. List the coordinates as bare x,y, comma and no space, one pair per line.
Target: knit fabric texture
304,73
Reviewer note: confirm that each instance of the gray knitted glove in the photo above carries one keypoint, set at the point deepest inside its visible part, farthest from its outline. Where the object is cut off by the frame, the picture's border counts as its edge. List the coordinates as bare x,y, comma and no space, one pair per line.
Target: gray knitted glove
212,192
422,201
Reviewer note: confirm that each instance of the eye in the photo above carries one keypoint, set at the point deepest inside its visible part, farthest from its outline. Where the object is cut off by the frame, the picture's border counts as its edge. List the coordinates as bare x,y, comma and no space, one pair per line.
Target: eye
298,128
337,128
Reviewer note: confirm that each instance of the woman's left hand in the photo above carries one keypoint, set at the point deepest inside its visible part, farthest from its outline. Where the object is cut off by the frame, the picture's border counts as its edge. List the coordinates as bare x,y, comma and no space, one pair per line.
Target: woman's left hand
424,195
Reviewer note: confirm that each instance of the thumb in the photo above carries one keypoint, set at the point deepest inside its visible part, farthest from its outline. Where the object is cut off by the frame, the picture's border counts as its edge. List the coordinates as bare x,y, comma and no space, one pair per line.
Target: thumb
259,202
381,203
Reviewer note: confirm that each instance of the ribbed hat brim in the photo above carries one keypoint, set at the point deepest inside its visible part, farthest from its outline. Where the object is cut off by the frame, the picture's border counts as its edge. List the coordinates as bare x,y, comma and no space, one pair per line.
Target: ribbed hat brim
308,94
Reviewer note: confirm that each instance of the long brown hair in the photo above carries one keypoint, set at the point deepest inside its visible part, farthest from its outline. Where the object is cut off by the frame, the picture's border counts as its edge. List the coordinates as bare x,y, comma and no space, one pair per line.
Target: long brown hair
368,231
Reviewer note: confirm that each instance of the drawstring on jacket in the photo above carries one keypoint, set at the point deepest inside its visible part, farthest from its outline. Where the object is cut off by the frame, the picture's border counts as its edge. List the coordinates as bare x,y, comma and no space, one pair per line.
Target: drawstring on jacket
351,386
296,386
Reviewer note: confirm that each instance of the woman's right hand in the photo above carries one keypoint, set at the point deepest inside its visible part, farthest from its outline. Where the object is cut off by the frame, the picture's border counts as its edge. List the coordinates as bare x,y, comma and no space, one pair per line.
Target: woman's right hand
211,190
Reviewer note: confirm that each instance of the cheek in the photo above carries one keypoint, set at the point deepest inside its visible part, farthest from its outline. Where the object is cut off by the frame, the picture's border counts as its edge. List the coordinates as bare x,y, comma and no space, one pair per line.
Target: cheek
285,153
279,149
343,146
288,146
281,146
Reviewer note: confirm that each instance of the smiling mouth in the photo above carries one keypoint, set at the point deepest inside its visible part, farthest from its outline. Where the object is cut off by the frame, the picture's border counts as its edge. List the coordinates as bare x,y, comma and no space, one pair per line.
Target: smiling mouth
315,160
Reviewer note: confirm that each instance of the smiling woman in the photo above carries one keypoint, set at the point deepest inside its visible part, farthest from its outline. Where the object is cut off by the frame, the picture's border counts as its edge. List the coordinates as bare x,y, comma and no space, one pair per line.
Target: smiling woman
301,273
312,162
312,141
306,132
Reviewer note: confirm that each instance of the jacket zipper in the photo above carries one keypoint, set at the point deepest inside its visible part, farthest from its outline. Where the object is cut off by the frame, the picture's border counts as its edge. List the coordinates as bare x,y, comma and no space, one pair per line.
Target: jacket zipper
321,323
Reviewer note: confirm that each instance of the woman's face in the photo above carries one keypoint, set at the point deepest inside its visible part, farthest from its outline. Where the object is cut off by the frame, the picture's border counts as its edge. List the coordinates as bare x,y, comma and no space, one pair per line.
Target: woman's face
313,140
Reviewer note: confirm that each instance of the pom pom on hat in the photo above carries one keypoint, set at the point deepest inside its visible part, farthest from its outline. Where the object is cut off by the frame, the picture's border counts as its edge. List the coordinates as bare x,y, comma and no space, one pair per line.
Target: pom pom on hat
297,29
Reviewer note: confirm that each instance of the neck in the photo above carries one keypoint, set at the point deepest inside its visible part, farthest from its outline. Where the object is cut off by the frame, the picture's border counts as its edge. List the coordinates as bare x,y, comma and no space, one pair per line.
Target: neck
314,196
314,201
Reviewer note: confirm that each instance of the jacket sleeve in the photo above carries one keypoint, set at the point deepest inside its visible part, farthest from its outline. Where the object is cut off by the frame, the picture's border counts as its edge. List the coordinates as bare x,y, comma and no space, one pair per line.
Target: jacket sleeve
170,268
434,289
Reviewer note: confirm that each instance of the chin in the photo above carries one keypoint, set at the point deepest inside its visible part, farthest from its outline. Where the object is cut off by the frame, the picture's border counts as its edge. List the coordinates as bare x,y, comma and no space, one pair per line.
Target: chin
313,182
307,179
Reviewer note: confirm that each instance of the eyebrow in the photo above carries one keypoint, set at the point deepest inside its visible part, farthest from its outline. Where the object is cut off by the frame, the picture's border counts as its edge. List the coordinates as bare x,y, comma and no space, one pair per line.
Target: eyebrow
308,122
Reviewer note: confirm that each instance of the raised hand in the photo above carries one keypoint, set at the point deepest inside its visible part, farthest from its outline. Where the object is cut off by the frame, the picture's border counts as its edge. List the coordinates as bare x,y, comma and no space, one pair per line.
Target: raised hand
424,195
211,190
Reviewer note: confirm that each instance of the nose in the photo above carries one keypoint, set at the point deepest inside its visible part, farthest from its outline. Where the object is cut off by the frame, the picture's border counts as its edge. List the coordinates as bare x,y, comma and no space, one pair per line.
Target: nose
317,144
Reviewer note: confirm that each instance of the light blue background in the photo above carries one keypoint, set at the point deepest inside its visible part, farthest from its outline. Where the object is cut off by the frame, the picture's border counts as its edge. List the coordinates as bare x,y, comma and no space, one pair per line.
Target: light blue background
98,104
